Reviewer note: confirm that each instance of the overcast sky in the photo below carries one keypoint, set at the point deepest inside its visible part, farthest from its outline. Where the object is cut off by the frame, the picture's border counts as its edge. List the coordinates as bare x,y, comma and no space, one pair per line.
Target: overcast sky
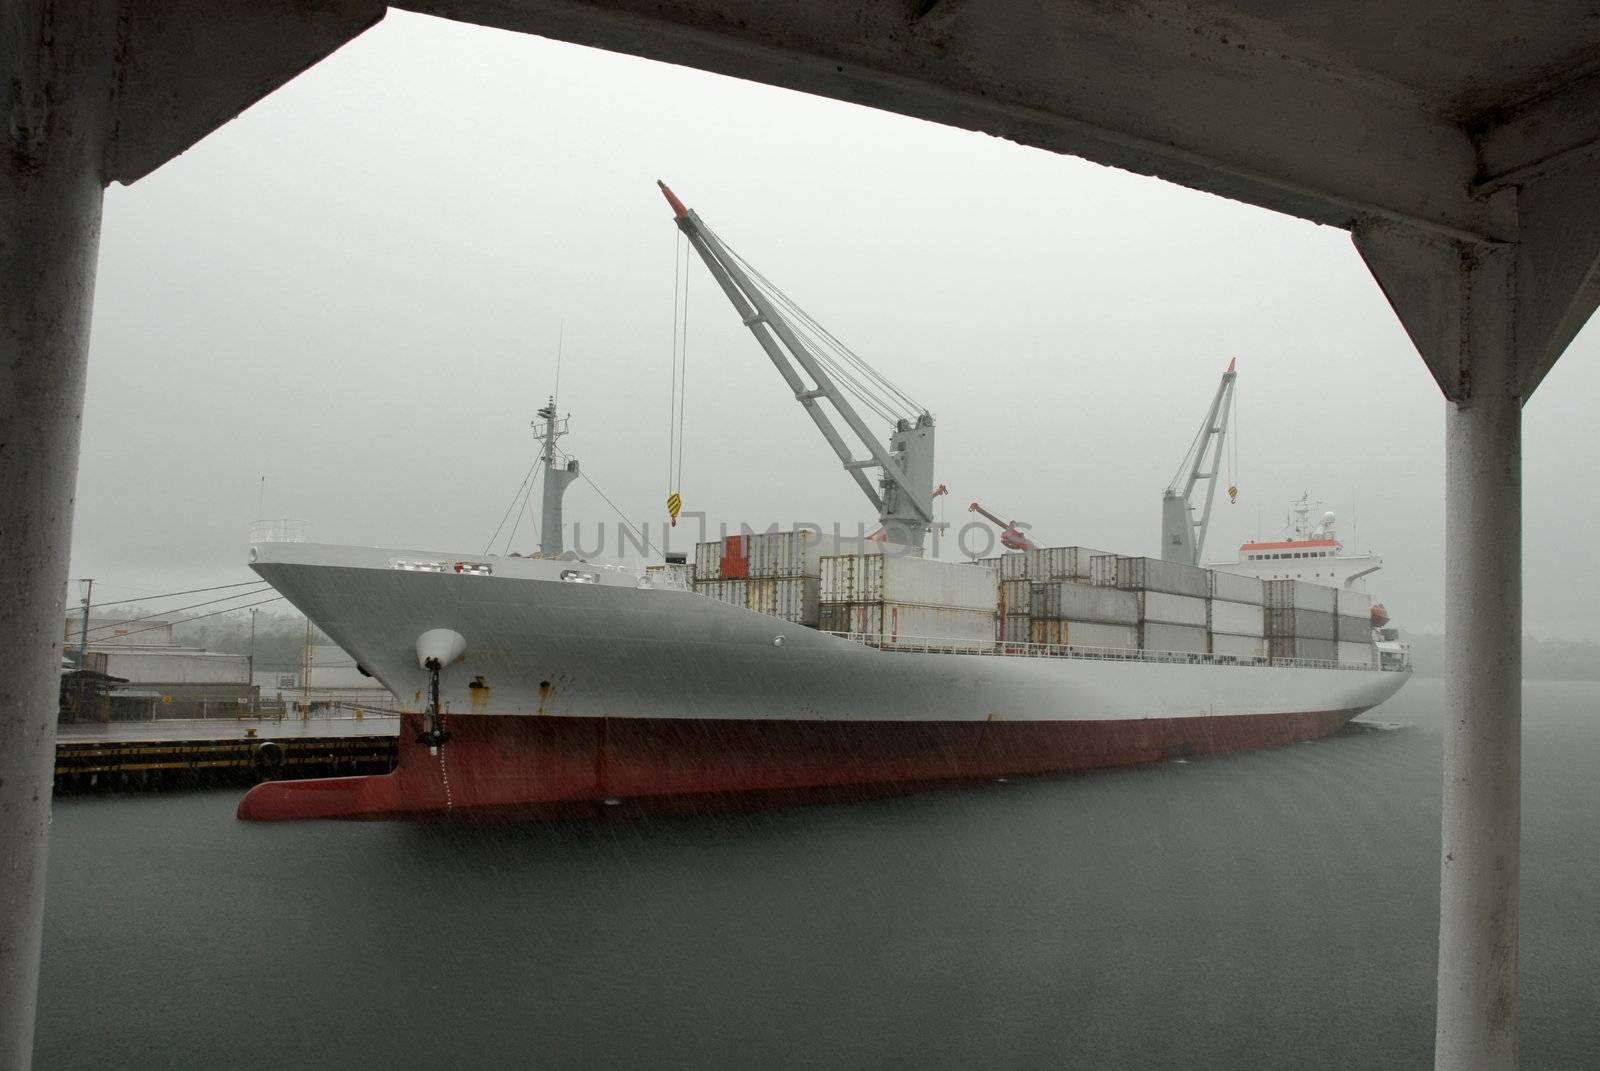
356,290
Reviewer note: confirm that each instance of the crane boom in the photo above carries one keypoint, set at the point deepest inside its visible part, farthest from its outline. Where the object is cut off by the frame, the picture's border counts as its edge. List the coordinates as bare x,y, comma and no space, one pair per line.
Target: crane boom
796,347
1011,536
1183,536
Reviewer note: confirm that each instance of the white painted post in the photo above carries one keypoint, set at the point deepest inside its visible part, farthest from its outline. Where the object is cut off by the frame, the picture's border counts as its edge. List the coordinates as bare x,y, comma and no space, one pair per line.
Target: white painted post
1479,869
50,197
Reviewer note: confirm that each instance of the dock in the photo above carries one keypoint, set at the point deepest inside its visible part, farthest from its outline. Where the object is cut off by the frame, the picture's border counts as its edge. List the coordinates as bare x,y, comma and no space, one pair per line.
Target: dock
210,752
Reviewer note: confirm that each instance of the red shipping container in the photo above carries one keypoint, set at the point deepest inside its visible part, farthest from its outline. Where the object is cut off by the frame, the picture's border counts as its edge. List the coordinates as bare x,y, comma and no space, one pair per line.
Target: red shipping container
734,563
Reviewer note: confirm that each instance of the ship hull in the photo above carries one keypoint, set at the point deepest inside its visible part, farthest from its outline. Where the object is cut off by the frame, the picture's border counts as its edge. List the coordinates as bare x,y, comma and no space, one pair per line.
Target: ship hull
578,697
547,767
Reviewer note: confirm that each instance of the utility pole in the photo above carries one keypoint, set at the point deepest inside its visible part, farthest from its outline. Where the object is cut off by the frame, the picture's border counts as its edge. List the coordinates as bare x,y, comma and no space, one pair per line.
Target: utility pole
305,675
252,656
83,627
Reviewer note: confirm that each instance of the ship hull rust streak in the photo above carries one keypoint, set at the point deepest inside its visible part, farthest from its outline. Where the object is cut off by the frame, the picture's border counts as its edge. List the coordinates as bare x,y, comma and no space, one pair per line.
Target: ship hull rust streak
531,768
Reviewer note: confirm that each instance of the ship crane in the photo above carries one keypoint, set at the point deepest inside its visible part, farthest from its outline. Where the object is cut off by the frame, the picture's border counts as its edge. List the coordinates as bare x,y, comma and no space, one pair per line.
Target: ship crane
819,368
1183,534
1011,536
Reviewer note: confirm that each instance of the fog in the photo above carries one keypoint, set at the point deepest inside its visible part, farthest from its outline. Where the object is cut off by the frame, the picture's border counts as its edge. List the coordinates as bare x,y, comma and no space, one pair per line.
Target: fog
356,290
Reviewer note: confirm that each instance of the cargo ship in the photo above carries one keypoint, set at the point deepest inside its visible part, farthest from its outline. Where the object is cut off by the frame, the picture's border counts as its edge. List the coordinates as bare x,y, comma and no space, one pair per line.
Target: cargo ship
789,666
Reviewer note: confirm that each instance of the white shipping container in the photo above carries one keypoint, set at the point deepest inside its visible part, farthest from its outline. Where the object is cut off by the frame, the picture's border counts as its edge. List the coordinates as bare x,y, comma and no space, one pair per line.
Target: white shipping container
1305,624
791,598
708,561
1085,634
1096,634
1353,629
1231,587
1300,595
1178,639
1303,648
1153,574
1226,646
1014,566
927,583
1016,628
1066,600
1060,563
1356,654
912,623
1236,618
1354,603
1103,570
1164,609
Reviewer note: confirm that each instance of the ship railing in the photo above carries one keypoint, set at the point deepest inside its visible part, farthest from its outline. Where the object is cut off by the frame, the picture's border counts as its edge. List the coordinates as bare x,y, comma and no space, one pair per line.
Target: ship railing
1009,649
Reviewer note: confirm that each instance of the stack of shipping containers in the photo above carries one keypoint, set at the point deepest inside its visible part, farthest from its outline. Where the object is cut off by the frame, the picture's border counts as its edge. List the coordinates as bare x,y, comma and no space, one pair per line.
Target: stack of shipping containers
1301,620
897,599
1235,616
1061,596
1172,601
1353,629
775,573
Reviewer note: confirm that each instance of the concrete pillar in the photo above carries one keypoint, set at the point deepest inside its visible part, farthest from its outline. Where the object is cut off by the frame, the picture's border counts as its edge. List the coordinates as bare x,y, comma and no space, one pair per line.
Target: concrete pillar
1476,1026
55,77
1489,321
1458,302
49,237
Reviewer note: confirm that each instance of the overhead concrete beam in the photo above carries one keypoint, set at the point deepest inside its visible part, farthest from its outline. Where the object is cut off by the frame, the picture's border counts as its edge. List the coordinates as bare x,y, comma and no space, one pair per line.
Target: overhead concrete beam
1553,132
1164,87
185,67
1554,281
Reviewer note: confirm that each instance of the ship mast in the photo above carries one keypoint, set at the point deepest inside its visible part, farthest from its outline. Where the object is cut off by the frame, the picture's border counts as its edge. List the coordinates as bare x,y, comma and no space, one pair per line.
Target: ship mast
814,365
548,428
1183,536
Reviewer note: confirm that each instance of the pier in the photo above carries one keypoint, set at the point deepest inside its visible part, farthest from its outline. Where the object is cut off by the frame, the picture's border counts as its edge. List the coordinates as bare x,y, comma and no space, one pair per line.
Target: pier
195,753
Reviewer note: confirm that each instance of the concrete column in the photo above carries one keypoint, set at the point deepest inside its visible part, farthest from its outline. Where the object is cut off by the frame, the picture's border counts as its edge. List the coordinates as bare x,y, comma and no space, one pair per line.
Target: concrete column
50,196
1479,869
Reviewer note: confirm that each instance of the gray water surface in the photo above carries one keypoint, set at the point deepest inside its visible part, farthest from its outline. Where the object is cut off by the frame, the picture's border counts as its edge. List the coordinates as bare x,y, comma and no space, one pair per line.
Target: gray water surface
1276,909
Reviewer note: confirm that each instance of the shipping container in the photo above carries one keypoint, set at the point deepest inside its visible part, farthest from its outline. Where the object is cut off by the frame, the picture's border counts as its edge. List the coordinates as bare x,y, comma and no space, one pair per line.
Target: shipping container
1240,647
708,561
1178,639
1353,629
1300,595
1014,566
799,552
734,563
1016,628
1303,648
1016,597
1231,587
1098,634
989,563
912,623
1153,574
908,581
1357,654
1236,618
792,598
1060,563
1065,600
1306,624
1354,604
1163,609
1103,570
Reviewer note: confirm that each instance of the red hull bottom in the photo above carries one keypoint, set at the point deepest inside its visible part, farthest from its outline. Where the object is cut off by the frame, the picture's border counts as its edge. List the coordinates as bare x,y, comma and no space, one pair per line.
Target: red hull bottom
501,766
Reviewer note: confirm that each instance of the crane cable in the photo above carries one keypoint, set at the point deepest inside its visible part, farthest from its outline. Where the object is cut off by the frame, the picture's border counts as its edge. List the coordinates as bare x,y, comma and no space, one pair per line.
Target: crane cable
680,374
1233,451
